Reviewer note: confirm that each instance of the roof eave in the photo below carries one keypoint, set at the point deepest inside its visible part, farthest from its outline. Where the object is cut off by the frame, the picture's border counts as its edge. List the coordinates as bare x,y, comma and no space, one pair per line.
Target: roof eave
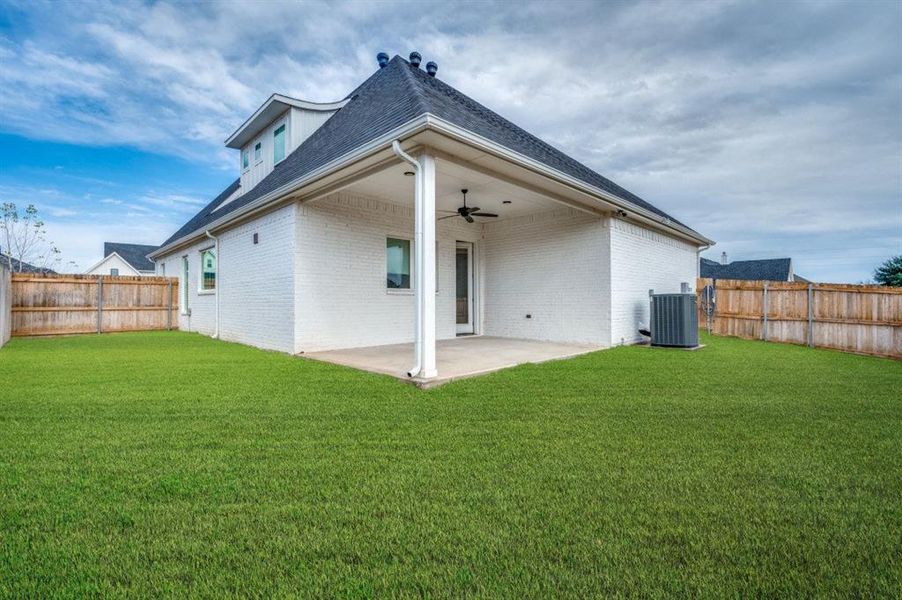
474,139
111,254
414,126
262,116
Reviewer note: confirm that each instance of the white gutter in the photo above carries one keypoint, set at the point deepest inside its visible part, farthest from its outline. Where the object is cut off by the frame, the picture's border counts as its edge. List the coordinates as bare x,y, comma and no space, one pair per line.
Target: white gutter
698,260
497,149
412,127
218,279
409,128
418,252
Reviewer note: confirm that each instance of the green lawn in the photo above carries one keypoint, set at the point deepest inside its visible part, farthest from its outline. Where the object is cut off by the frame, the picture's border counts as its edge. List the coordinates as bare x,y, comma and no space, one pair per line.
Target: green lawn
173,464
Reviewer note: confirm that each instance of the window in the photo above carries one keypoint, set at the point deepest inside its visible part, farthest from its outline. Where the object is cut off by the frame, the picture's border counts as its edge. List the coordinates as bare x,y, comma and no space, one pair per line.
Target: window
163,269
258,152
208,270
245,160
114,271
397,264
278,144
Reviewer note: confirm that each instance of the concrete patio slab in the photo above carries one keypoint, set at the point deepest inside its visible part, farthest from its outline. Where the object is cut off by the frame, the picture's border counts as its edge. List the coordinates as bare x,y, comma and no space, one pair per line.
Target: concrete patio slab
455,359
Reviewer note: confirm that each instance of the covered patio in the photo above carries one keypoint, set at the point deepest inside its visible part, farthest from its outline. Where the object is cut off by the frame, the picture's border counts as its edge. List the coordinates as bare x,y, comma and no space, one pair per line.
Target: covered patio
456,358
409,284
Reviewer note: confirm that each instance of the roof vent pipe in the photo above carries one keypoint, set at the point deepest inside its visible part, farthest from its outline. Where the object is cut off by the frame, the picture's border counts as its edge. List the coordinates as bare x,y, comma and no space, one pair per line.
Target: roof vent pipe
382,59
415,59
431,68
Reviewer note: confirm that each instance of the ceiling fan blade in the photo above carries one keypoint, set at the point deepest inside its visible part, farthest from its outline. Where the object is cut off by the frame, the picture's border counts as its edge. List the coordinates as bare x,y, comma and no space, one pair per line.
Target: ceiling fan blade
447,217
482,214
472,209
469,219
453,212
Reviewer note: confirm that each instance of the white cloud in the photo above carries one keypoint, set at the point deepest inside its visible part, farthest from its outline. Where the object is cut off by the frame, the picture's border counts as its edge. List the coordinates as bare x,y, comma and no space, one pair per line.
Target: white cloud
764,130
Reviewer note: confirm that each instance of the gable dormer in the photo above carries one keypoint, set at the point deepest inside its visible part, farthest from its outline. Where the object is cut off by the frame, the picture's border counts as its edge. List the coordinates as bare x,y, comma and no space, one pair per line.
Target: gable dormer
273,132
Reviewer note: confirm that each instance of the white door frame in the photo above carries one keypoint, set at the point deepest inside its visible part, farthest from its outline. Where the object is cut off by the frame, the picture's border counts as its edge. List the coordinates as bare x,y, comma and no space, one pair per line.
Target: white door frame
470,326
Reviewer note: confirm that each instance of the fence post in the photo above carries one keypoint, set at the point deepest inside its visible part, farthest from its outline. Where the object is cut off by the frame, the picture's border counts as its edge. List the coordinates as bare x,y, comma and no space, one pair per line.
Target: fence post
764,328
99,303
810,316
169,311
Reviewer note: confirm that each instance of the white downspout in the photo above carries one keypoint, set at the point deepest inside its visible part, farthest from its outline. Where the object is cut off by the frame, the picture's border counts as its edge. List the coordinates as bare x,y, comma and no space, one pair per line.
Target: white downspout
698,261
217,290
418,249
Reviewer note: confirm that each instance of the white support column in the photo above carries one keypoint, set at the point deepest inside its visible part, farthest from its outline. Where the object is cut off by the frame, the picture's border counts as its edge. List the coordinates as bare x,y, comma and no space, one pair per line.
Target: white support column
425,269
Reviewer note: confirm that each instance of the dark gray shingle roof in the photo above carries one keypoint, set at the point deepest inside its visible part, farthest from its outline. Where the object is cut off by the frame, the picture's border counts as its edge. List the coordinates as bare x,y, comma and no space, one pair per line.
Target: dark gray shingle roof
391,97
133,254
22,266
773,269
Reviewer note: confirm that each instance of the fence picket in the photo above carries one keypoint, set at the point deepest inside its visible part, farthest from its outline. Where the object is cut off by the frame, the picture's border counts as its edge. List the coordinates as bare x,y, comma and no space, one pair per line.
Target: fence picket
853,318
65,304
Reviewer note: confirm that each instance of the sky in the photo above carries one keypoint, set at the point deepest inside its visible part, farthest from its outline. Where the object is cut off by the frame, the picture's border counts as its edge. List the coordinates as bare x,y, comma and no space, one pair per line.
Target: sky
773,128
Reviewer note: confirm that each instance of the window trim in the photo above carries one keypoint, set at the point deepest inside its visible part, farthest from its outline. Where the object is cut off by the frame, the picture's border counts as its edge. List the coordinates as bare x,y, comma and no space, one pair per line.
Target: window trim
258,159
186,271
398,291
408,291
200,272
283,124
245,160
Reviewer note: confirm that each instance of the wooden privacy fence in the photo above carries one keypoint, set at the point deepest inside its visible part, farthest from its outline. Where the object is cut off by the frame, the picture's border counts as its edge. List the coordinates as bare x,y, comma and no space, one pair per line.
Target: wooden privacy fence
866,319
64,304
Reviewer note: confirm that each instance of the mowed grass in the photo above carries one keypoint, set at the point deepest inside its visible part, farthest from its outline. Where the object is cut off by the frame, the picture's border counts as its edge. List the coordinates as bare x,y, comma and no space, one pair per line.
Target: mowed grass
170,464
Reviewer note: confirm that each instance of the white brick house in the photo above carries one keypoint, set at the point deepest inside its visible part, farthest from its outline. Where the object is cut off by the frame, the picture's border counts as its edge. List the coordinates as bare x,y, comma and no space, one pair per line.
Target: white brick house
316,245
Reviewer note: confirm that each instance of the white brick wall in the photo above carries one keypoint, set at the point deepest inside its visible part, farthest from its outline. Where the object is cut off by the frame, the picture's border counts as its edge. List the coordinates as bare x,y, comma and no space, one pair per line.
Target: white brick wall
554,266
257,281
316,279
203,313
642,259
342,301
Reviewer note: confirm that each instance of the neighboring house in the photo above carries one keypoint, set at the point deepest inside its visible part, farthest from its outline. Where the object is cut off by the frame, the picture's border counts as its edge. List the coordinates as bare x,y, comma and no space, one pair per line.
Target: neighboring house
772,269
124,259
22,266
314,245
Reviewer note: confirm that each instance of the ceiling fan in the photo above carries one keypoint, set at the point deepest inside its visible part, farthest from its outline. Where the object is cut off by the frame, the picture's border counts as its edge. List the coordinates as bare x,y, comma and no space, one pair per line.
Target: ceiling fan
468,212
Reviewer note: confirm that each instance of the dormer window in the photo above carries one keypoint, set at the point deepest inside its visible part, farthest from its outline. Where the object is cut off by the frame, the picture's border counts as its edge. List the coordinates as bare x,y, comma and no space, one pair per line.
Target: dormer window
278,145
245,160
258,152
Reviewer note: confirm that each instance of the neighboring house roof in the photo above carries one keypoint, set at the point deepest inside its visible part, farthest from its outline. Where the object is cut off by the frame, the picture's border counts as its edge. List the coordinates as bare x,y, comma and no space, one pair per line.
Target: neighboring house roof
773,269
390,98
133,254
22,266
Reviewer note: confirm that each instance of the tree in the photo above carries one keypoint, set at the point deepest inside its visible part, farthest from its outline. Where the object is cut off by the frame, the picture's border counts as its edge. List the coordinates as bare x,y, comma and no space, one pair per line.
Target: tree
24,239
890,272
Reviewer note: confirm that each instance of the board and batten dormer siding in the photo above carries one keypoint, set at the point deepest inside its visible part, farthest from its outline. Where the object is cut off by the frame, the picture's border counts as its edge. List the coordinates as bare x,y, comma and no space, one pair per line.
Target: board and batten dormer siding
299,125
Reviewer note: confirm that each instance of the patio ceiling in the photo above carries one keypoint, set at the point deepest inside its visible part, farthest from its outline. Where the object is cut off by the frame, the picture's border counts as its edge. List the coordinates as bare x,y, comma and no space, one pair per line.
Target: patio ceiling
485,191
